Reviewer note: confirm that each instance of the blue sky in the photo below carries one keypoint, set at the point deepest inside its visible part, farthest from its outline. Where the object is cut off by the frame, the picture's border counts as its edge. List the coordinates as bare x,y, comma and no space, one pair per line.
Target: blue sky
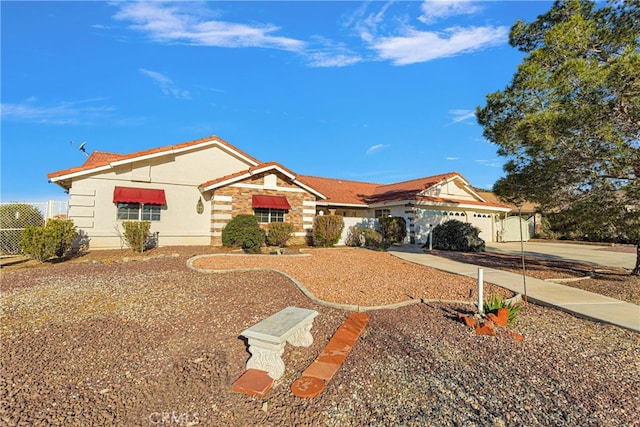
367,91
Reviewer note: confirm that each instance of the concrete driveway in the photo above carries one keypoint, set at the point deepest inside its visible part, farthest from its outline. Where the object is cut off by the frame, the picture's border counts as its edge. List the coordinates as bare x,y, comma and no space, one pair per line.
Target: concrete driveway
620,256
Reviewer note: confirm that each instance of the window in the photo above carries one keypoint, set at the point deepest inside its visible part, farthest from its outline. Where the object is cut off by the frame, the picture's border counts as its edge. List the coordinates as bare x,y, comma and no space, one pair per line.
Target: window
266,216
138,212
382,212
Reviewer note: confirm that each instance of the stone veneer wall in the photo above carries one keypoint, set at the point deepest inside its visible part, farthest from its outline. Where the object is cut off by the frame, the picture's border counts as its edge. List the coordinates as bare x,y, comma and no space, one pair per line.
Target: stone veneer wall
236,199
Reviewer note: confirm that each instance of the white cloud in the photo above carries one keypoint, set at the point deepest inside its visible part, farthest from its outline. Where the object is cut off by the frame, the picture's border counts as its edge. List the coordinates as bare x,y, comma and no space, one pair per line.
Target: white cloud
190,23
166,84
493,163
395,39
435,9
452,158
422,46
376,148
330,54
62,113
462,115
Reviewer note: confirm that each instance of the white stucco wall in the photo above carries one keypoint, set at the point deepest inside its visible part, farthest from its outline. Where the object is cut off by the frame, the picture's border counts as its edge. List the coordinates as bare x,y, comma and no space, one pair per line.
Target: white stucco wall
94,213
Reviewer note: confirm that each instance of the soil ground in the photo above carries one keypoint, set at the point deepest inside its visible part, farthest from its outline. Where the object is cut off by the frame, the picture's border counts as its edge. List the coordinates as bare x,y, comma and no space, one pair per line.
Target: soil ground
117,338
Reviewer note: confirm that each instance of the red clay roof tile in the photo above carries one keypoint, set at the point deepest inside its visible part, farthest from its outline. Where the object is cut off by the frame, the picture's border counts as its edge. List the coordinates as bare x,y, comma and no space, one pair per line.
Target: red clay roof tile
340,191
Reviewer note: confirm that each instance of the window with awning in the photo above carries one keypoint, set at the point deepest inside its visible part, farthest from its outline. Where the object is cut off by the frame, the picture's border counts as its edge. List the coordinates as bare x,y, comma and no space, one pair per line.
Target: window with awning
145,196
270,202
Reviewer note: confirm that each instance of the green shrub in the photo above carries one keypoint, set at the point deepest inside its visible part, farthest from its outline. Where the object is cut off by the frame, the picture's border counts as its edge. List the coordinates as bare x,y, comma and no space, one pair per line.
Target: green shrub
363,236
393,229
55,238
327,229
354,236
136,234
244,231
63,232
455,235
13,218
494,303
36,244
371,237
279,233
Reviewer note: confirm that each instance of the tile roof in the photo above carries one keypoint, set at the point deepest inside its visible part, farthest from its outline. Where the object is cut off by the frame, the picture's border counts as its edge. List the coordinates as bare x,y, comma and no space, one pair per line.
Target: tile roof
100,159
259,168
491,197
250,171
340,191
407,190
345,192
333,191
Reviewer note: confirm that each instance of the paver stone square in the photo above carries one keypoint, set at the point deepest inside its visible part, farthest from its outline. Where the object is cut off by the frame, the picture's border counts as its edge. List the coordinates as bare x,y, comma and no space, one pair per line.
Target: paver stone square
336,356
253,382
321,370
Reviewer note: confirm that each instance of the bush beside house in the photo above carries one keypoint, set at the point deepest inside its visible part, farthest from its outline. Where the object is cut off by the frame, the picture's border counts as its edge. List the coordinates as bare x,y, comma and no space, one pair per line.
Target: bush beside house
327,229
41,243
455,235
244,231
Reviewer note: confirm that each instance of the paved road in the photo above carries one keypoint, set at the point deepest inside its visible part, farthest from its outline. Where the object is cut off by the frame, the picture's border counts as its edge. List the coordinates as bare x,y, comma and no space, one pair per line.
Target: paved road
590,254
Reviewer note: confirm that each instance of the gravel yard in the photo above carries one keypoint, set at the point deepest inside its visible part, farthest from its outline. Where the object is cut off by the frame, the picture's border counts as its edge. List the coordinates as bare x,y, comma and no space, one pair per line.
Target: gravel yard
113,338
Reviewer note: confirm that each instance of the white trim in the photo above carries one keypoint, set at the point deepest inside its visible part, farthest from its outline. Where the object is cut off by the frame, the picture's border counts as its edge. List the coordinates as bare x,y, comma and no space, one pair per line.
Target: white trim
262,187
219,224
339,205
80,173
307,219
222,207
221,216
226,182
308,211
220,198
250,173
73,192
309,203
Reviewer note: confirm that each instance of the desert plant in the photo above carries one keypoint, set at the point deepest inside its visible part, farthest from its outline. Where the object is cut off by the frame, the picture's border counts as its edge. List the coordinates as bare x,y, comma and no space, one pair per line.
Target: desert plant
371,237
495,302
36,244
279,233
62,232
354,236
244,231
393,229
136,234
327,229
456,235
43,242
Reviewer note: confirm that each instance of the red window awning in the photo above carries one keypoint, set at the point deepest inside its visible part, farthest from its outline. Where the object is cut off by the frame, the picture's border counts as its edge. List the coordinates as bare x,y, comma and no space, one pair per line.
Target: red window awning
270,202
145,196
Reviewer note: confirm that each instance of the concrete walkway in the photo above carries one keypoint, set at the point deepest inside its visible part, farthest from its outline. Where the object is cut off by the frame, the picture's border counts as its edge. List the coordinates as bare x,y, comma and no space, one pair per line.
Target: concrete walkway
584,253
581,303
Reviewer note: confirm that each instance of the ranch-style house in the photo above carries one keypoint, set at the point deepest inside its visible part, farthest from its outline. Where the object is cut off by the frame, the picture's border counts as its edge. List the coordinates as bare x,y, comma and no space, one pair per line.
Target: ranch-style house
190,191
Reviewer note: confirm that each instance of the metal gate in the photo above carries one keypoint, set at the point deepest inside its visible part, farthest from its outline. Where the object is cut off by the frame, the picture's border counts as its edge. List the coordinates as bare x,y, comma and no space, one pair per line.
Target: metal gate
16,216
511,227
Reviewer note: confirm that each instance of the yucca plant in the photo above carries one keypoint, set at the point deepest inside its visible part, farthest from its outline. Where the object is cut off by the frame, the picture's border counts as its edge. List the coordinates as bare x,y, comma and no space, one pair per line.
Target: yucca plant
495,302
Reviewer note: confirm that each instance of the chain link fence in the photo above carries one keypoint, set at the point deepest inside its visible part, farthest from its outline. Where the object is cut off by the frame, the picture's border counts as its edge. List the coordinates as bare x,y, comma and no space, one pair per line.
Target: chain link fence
16,216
